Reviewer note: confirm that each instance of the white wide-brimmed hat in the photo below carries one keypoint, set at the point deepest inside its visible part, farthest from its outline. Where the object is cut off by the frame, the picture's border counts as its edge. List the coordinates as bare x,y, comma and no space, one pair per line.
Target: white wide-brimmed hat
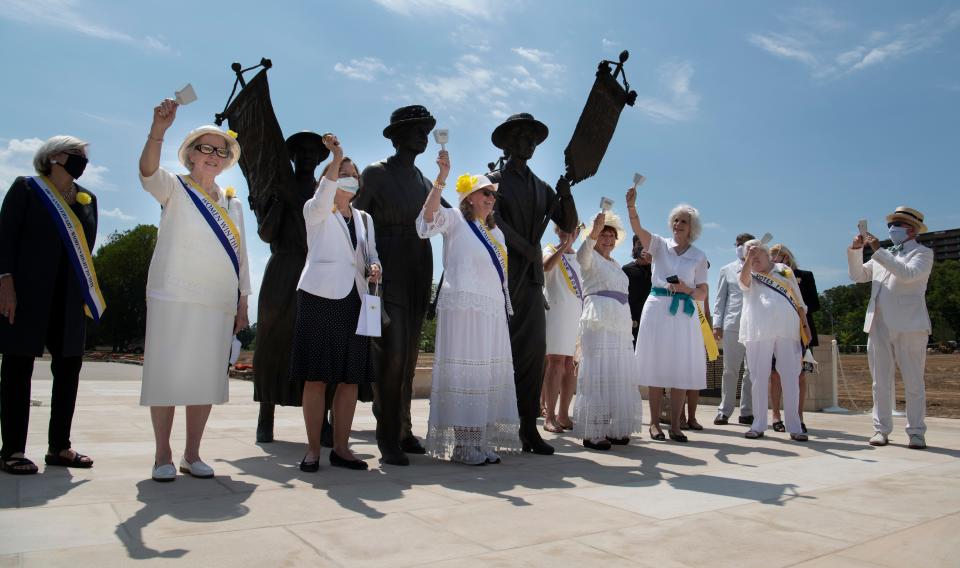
467,184
612,220
230,137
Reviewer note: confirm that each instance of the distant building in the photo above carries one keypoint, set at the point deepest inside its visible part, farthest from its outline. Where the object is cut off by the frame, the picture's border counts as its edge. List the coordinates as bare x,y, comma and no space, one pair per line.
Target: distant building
945,245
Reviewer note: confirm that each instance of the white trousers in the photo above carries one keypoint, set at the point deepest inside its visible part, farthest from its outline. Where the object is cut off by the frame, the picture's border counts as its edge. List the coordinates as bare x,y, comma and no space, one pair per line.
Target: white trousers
734,354
909,350
760,354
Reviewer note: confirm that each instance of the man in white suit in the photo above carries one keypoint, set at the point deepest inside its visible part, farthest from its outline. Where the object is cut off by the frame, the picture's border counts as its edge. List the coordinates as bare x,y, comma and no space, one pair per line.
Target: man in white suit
726,329
897,319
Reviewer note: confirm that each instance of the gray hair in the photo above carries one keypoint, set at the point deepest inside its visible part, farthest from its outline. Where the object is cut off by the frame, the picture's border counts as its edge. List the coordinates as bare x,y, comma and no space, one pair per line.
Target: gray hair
755,243
52,147
695,227
467,209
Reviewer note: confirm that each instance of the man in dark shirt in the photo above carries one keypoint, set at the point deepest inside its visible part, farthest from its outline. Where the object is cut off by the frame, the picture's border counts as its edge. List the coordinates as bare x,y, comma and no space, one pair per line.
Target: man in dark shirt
639,272
525,204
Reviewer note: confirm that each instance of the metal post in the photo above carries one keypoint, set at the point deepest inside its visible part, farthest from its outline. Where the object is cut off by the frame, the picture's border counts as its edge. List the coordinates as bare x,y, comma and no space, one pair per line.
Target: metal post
835,408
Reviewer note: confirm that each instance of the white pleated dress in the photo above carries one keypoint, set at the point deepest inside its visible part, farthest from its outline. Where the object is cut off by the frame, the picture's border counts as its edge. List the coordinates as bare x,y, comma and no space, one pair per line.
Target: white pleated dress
608,402
670,349
473,401
563,317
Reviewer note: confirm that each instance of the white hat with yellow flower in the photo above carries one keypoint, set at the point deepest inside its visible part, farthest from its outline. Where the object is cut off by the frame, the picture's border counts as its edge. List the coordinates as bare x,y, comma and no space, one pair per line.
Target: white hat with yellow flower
467,184
229,136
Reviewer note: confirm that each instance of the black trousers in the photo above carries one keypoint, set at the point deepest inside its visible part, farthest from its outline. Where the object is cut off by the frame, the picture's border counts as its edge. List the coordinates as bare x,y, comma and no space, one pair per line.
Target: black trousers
528,342
396,358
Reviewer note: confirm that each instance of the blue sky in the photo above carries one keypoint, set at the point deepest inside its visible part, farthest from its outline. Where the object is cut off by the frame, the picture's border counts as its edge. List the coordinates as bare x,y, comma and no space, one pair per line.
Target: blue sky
795,118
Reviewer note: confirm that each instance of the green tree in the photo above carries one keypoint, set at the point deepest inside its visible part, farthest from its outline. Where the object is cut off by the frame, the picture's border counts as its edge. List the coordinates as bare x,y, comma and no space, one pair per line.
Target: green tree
122,265
428,334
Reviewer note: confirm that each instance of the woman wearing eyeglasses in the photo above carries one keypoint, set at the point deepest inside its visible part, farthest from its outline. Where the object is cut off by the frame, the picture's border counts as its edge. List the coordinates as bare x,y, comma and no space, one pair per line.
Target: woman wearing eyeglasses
48,225
197,287
473,401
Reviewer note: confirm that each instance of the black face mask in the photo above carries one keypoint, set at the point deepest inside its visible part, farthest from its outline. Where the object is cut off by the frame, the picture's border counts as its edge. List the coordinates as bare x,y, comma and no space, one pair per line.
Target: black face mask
75,165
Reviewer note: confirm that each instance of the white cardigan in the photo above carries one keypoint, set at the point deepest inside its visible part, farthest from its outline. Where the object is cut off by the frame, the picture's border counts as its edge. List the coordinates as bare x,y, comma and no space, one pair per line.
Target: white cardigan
333,265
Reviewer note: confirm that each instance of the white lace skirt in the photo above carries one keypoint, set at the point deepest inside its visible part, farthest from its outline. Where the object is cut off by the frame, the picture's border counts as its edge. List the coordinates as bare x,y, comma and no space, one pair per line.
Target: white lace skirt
670,351
608,401
473,401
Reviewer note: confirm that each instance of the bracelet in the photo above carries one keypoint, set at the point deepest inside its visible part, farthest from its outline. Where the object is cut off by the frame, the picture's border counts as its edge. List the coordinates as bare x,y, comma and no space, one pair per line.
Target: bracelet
152,139
439,184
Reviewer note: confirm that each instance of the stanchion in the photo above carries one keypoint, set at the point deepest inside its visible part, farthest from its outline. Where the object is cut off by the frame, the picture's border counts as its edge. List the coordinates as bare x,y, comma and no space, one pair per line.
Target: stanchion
835,407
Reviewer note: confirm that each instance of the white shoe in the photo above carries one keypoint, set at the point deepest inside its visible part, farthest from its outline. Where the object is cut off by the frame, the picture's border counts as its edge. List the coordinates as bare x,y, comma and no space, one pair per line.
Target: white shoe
196,469
917,442
165,472
492,456
879,439
470,455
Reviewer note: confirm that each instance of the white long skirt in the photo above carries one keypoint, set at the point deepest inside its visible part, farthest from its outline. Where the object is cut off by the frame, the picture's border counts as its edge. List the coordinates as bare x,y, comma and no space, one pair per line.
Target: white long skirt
563,327
608,402
670,350
185,354
473,401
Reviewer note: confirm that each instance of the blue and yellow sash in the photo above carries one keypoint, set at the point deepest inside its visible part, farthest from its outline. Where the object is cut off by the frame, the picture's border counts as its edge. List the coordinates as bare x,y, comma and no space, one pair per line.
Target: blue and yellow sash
785,290
570,276
498,255
75,242
218,219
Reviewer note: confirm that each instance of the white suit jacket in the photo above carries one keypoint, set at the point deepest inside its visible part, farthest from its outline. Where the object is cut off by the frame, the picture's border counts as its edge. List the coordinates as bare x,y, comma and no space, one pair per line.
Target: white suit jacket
899,285
333,265
729,300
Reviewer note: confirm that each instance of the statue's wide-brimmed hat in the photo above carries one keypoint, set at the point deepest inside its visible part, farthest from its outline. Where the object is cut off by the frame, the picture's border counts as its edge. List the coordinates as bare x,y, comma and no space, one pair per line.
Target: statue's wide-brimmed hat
908,215
405,116
304,137
523,119
229,136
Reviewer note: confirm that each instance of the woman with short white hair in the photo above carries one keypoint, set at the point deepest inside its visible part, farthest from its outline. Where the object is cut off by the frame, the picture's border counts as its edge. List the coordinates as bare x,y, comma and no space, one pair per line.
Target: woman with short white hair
670,340
48,225
773,324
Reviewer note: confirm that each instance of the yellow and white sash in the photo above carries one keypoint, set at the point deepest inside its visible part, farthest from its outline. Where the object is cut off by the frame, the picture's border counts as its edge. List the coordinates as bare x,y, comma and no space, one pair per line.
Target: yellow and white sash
75,242
569,275
218,219
709,341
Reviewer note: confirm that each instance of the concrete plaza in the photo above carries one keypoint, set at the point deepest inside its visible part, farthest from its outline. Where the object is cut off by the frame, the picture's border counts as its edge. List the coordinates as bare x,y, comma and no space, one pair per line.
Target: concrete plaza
720,500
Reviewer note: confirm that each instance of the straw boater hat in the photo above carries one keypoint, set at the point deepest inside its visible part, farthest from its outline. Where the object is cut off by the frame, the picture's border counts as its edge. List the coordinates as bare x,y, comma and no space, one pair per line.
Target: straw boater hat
610,219
908,215
404,116
500,133
304,136
467,184
230,137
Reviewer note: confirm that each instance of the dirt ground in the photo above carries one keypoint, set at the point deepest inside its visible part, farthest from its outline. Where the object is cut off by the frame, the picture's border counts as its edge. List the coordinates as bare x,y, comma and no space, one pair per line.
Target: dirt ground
942,379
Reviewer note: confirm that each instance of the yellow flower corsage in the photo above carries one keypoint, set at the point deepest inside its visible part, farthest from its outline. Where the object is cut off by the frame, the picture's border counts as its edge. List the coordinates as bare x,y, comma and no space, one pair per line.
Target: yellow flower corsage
465,183
786,273
232,134
230,192
83,198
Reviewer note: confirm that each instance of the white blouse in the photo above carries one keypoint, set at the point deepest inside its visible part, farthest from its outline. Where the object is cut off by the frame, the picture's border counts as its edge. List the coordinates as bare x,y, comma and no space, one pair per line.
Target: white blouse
766,313
189,263
690,267
600,274
555,287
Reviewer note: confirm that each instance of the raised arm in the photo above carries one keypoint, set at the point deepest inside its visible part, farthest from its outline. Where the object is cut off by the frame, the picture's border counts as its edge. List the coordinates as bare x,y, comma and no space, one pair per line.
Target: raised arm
917,267
163,116
859,271
319,207
432,204
638,230
551,260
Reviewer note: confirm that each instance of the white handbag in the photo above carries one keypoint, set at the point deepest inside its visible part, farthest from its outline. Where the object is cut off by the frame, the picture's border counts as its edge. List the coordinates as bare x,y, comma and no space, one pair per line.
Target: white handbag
369,322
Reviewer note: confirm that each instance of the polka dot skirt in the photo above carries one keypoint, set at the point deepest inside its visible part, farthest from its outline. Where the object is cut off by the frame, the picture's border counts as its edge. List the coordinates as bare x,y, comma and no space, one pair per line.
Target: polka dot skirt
326,347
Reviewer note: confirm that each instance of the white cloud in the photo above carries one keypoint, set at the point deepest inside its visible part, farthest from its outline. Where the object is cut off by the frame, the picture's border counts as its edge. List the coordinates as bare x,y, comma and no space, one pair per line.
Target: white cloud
116,213
470,9
542,61
363,69
69,15
609,44
16,159
822,42
682,103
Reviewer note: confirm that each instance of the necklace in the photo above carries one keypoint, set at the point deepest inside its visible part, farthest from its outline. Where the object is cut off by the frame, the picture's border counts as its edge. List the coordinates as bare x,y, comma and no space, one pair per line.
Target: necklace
680,252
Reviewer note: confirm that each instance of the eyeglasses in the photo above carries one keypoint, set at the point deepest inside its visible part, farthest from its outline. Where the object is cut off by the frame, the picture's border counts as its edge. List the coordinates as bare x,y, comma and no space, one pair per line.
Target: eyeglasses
209,149
897,224
487,192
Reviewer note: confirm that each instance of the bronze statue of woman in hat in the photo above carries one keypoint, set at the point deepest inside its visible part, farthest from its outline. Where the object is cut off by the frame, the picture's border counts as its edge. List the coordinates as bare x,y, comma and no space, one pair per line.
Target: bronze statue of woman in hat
525,206
393,191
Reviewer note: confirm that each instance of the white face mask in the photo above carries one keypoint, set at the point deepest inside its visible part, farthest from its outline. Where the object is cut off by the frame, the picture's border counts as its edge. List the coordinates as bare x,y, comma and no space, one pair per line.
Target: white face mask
740,253
348,184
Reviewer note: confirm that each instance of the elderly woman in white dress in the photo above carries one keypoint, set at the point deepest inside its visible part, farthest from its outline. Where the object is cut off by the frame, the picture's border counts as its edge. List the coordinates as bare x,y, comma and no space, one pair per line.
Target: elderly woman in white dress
473,402
773,324
197,287
563,291
670,343
608,408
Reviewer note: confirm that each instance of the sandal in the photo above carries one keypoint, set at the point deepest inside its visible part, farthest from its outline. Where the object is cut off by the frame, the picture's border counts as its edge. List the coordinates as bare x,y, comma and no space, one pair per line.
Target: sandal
779,427
694,425
752,435
18,466
552,426
678,437
568,425
78,460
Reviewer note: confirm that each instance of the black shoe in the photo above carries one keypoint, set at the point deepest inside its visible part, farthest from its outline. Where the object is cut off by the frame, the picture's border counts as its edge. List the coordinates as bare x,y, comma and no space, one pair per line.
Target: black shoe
603,445
393,456
748,420
337,461
619,441
677,437
803,427
412,445
658,436
721,420
531,440
778,426
309,467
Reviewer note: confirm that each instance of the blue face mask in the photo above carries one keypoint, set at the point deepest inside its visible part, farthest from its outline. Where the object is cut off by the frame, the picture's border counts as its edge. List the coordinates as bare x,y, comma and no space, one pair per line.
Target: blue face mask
898,235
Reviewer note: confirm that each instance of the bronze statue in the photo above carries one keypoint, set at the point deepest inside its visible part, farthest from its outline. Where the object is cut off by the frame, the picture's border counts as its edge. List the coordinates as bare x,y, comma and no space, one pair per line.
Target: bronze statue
393,192
525,206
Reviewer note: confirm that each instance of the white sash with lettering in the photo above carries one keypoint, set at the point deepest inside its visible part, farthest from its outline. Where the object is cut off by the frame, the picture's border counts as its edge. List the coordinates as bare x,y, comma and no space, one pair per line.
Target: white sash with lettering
218,219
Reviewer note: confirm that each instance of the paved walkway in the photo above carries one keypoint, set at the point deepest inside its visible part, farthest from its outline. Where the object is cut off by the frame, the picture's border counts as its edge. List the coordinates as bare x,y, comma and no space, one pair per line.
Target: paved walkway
720,500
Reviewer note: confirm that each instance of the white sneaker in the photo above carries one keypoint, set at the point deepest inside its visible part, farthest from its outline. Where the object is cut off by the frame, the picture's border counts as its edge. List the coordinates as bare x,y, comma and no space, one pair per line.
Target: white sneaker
879,439
917,442
196,469
165,472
